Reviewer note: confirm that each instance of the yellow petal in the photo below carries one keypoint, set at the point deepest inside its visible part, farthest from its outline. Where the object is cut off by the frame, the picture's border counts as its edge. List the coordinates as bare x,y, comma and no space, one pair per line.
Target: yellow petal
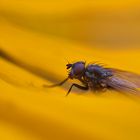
37,38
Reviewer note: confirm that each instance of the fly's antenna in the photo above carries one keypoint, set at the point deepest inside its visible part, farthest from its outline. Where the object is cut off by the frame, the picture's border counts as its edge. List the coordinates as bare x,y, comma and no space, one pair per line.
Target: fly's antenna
68,65
68,62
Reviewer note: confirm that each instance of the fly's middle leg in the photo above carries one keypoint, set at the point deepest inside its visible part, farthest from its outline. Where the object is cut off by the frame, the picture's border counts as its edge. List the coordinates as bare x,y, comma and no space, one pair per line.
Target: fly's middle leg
78,86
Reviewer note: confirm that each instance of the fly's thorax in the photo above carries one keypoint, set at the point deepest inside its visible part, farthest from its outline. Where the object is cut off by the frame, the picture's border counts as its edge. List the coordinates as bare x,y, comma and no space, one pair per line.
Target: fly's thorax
96,71
96,76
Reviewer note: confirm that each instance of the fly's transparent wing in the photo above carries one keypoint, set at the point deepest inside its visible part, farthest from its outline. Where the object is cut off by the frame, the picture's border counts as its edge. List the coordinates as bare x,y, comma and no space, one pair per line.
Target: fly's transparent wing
124,81
122,85
127,76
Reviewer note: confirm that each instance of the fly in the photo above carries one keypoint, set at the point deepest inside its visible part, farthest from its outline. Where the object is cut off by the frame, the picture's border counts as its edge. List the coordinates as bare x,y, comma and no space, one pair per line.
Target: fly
98,78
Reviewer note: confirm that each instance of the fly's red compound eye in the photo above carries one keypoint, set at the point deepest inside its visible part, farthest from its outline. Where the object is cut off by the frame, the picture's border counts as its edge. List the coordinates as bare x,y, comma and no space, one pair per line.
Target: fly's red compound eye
78,67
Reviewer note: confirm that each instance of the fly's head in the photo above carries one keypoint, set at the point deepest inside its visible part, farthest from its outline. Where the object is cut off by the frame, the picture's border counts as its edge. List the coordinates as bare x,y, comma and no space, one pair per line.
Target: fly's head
76,69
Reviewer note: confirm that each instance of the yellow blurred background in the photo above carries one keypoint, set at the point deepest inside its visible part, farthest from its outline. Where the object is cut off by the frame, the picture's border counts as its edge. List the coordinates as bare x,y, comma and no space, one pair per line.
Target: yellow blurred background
38,37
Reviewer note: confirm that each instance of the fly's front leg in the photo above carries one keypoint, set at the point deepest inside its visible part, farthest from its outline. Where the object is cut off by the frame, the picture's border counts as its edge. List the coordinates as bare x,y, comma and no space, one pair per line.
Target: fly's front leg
78,86
55,85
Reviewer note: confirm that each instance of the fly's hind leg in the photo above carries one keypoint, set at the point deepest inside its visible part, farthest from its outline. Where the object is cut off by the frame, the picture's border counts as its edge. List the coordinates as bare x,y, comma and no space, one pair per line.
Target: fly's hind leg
78,86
